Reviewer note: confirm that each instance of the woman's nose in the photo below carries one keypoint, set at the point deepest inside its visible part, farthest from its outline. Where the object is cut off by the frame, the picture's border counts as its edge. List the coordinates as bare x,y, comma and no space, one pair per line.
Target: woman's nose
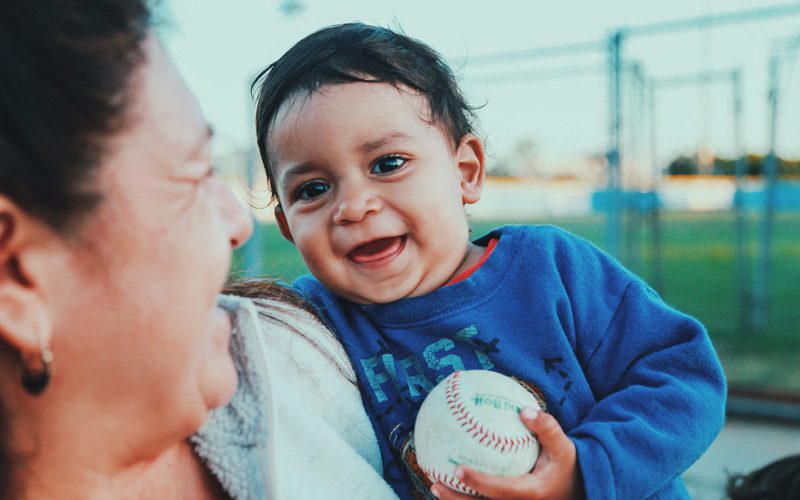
238,219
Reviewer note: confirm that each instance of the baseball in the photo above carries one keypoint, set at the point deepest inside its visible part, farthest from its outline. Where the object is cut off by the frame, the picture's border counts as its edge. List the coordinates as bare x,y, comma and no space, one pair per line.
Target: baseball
472,418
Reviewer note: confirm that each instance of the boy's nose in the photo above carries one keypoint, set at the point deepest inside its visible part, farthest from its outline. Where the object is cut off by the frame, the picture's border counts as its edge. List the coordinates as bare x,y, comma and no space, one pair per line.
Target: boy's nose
354,205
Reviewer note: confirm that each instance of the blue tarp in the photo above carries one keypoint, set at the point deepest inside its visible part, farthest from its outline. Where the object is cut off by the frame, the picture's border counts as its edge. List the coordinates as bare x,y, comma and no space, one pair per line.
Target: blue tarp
787,198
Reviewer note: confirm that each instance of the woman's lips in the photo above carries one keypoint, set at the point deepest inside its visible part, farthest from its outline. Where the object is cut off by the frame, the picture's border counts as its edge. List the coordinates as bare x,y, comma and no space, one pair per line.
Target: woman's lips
378,251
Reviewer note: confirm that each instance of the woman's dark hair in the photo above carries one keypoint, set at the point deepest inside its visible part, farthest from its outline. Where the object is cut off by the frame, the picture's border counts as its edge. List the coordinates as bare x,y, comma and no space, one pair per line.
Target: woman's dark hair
258,288
779,480
65,73
65,69
356,52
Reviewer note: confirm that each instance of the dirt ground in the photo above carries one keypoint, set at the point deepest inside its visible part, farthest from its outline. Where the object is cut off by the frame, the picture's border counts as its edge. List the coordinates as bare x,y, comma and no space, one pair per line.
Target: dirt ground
743,445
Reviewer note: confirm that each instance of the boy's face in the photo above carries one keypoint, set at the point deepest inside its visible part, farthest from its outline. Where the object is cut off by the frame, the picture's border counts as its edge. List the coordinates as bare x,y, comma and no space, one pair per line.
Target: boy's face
371,192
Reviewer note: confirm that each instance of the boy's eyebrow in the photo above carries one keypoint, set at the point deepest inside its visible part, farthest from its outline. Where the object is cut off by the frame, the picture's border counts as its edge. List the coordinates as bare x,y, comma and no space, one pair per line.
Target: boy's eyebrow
290,173
370,146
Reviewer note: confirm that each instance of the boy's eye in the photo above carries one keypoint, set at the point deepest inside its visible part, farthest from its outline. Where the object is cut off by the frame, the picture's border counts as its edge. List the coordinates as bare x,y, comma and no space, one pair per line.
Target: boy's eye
312,190
387,164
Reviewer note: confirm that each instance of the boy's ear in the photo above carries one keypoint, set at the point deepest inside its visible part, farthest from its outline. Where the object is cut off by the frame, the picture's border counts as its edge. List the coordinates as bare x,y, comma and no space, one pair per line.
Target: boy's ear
24,317
283,225
470,158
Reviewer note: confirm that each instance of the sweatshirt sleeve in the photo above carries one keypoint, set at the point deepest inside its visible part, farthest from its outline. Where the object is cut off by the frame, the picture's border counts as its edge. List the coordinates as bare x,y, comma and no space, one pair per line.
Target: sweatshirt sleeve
660,395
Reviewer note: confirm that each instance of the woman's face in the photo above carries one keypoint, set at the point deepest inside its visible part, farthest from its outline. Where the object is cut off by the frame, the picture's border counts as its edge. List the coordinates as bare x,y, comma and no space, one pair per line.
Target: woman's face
136,331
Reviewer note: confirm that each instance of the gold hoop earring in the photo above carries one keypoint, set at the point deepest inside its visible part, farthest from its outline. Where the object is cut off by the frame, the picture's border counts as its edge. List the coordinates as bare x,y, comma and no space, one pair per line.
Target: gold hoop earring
36,380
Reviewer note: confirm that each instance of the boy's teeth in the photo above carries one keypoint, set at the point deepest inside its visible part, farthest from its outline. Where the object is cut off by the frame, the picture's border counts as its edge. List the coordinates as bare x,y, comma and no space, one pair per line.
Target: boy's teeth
376,250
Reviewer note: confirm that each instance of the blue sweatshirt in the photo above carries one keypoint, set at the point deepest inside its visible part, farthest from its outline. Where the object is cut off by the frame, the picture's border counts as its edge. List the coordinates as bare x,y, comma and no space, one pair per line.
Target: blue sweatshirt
634,383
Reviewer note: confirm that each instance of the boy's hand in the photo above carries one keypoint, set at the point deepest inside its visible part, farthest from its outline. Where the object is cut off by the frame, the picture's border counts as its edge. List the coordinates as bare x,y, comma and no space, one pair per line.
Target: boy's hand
555,476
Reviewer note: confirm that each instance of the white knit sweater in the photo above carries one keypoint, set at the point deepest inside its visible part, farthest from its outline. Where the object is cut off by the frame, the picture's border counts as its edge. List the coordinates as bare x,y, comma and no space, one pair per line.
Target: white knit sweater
296,427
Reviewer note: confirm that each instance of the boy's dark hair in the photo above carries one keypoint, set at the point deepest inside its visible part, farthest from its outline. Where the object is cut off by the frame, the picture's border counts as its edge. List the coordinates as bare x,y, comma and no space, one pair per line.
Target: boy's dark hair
356,52
779,480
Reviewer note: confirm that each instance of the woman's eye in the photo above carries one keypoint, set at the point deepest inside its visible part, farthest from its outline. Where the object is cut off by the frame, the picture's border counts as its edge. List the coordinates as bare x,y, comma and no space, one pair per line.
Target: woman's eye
312,190
210,173
388,164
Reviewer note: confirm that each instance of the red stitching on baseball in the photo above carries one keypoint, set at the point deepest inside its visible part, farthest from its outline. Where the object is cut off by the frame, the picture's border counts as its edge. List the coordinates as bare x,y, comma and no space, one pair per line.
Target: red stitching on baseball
448,480
506,444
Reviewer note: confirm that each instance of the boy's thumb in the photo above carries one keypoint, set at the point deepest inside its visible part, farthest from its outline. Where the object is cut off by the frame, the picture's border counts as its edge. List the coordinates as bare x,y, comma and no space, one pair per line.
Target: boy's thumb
545,427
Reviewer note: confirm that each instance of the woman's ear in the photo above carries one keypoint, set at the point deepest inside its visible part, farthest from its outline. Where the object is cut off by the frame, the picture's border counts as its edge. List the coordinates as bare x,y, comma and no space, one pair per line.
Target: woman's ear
283,224
470,158
24,318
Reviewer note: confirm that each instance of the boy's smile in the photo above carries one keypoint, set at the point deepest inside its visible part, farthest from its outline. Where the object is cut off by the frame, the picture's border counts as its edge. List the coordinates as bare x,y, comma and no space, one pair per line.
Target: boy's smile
372,193
377,252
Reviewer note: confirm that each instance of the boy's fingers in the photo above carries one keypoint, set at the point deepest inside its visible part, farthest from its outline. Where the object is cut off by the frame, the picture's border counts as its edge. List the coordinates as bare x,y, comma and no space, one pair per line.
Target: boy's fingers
554,443
498,486
552,438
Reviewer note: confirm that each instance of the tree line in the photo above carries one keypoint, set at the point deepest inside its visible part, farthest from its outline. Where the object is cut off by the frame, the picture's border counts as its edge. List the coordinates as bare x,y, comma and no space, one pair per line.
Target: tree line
754,166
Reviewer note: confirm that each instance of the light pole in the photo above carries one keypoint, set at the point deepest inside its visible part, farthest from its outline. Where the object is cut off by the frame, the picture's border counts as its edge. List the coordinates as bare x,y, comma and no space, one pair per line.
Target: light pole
706,78
770,174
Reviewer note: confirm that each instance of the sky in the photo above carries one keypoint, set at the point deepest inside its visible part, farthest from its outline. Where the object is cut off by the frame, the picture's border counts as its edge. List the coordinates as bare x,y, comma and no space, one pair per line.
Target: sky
558,106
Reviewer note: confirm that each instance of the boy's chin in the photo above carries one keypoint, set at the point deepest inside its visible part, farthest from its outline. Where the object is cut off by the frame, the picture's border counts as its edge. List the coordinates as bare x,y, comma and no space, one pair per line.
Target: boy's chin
385,295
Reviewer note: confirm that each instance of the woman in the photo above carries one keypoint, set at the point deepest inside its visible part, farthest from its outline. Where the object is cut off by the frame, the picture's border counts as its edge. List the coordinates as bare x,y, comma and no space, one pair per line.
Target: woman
115,239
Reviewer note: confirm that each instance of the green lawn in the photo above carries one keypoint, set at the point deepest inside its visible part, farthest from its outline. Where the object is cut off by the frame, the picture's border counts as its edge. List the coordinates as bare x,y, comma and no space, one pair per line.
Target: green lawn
699,277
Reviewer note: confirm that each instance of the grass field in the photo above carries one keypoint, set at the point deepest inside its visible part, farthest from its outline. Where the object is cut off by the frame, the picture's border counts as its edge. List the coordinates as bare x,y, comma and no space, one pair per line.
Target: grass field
699,277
